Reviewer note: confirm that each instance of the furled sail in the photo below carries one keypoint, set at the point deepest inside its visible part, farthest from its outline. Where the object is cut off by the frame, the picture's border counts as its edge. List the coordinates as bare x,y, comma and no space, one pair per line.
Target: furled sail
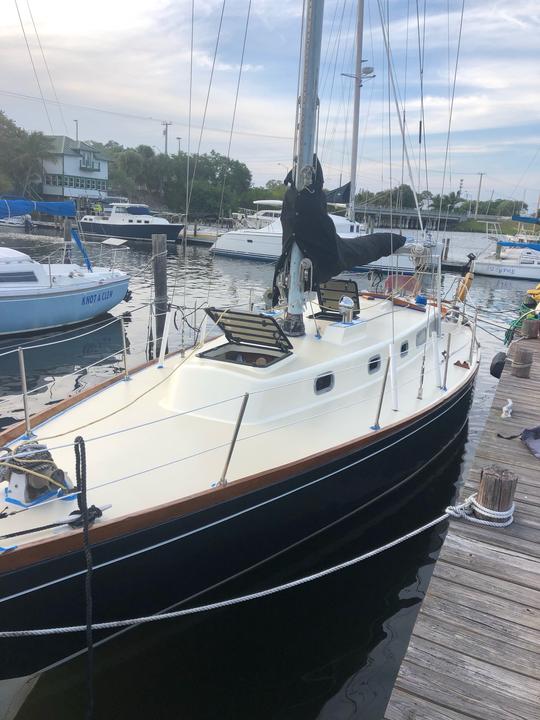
16,208
305,220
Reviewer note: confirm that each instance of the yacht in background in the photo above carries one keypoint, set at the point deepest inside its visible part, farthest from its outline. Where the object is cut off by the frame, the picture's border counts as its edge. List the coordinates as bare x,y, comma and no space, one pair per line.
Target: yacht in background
130,221
265,243
35,296
506,256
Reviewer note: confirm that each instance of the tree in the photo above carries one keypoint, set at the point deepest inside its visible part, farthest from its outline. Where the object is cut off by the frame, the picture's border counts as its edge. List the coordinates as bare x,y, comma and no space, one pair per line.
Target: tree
28,165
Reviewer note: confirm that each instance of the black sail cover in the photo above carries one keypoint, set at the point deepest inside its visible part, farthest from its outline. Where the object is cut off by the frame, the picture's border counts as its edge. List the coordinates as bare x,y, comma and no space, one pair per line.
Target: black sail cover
305,220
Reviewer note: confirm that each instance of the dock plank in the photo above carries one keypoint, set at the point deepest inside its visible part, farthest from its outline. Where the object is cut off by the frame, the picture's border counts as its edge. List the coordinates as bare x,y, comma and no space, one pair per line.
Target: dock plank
475,649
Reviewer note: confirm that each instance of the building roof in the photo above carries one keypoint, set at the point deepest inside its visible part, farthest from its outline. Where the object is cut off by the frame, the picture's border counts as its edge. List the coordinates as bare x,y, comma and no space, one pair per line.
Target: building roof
63,145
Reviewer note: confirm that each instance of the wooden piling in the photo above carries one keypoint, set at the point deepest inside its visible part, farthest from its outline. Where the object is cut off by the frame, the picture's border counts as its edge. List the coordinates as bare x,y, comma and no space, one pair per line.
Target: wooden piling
530,327
67,230
159,264
521,362
496,491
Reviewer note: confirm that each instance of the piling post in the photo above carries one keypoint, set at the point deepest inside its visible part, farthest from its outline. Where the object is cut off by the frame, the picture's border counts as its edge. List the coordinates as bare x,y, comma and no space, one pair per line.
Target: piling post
159,265
496,491
522,362
67,230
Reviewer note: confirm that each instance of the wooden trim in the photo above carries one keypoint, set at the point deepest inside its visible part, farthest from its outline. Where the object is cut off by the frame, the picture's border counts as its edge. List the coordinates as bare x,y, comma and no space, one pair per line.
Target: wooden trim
104,530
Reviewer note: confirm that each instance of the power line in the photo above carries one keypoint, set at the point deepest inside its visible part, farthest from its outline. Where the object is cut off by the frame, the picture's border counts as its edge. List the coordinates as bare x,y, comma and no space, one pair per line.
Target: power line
33,66
46,66
147,118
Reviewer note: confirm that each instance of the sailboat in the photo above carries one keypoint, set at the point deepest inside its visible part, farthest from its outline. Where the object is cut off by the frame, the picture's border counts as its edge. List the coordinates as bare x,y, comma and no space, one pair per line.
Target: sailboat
300,414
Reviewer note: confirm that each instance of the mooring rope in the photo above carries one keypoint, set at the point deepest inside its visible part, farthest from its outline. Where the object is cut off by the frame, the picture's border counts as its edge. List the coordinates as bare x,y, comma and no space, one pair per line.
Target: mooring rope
457,511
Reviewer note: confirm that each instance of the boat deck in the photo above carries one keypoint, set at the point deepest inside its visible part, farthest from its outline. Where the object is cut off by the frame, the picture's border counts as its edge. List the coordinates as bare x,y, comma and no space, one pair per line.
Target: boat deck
475,649
165,434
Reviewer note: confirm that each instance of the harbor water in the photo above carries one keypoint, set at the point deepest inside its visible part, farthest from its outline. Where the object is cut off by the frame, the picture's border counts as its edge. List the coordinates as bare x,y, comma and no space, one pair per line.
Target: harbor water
329,649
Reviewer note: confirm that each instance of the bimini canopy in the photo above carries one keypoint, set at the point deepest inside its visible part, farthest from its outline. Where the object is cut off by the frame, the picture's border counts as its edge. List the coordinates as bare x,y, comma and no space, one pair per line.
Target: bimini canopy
16,208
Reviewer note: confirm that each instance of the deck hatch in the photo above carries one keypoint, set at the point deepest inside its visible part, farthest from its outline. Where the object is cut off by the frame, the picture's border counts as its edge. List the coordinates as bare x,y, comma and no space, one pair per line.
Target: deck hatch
330,293
245,328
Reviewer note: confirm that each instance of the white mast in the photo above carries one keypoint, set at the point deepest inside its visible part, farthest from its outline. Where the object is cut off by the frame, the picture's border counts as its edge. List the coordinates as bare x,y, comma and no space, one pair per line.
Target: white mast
356,109
306,136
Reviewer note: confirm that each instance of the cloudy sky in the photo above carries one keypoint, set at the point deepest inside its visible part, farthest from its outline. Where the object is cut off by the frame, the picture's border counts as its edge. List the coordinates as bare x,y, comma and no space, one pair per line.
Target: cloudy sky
120,68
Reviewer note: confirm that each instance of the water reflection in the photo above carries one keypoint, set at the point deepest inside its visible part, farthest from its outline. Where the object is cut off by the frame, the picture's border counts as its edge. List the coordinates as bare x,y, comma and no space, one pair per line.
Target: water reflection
327,650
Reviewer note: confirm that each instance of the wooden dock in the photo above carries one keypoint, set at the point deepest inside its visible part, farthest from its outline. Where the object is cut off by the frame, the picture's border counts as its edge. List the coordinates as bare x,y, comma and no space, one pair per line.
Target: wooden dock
475,648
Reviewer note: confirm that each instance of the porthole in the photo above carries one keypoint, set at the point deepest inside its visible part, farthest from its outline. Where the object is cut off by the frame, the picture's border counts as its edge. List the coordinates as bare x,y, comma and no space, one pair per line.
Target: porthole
374,364
404,348
421,337
324,383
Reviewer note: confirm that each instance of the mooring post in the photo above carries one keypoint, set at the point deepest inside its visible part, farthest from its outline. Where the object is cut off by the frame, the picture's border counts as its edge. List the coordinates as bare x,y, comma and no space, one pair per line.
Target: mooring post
29,434
496,491
159,264
67,231
521,362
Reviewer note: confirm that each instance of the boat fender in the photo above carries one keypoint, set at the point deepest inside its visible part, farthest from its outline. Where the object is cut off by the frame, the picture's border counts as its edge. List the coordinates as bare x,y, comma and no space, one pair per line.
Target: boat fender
497,365
464,286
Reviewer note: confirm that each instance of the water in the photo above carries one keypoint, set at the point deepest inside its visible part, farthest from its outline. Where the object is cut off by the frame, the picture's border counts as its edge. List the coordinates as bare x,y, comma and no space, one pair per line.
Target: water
327,650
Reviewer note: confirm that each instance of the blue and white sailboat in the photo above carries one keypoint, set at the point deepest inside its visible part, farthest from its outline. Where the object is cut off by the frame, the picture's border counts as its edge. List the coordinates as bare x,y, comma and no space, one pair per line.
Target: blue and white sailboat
37,296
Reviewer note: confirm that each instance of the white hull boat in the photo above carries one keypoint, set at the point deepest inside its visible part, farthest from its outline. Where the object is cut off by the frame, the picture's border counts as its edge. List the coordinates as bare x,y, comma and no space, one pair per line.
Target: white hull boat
35,296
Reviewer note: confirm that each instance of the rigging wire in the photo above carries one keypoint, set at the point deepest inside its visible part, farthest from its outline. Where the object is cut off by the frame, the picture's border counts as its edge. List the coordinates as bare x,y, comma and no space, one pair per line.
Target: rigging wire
234,110
220,25
450,115
396,102
47,67
33,65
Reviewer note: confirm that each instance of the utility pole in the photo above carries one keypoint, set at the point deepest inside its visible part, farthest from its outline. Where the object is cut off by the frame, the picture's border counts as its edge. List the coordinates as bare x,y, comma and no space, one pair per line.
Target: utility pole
478,194
166,124
179,141
76,130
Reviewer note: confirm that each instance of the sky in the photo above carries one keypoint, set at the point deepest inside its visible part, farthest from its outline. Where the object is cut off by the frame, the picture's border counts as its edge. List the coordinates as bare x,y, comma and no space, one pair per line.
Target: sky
122,68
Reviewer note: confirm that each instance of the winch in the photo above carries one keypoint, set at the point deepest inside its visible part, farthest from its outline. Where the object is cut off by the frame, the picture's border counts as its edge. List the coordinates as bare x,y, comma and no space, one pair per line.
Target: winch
31,474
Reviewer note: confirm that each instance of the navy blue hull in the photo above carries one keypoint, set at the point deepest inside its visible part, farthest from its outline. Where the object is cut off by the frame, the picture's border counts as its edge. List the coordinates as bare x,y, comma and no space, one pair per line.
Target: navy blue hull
169,564
135,231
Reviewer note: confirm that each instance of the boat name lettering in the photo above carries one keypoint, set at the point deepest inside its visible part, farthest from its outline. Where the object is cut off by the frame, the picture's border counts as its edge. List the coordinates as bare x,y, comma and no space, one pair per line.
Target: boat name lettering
96,297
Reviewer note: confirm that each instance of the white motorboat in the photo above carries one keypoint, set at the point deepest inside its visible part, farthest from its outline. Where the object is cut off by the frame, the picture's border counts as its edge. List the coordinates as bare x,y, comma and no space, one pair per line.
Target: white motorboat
267,211
209,464
504,256
266,243
36,296
130,221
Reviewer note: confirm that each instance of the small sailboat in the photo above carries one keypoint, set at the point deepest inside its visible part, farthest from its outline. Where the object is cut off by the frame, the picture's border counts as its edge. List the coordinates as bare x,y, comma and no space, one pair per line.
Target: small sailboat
303,412
37,296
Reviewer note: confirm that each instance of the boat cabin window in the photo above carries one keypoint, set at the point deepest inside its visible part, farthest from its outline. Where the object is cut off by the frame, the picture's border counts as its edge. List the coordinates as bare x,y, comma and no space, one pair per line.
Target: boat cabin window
324,383
374,364
421,337
20,276
404,348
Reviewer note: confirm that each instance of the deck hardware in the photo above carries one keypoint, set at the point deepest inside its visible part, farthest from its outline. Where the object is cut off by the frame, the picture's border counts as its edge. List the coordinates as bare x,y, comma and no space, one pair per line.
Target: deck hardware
223,478
124,348
446,361
28,434
436,359
473,339
164,339
376,425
